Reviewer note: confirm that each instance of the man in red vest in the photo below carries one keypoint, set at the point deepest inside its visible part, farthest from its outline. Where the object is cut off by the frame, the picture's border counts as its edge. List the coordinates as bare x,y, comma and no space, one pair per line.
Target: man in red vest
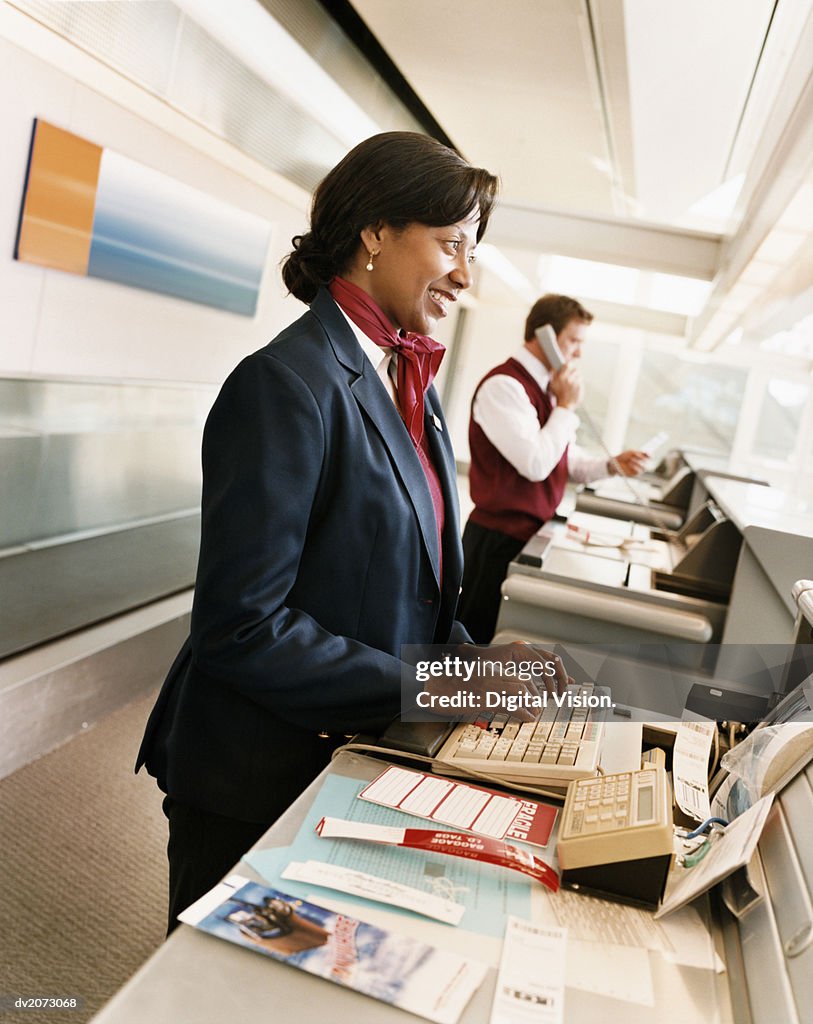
521,432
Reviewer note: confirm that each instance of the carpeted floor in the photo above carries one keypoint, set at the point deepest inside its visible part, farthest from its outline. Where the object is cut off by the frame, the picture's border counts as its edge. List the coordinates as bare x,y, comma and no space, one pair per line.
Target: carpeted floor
82,871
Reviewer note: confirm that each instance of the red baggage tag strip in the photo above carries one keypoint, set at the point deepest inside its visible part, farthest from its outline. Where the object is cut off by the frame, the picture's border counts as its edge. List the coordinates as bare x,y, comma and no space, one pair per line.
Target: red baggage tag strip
454,844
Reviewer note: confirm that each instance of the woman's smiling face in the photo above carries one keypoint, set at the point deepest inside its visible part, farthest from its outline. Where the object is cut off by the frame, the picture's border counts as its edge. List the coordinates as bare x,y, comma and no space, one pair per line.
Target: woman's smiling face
419,270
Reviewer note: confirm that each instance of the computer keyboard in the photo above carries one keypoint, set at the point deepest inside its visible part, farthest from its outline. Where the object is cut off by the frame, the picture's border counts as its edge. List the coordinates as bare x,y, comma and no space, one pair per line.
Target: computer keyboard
563,744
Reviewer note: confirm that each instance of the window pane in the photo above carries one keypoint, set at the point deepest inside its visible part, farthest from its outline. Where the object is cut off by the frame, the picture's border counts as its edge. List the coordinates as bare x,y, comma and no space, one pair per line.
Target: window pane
780,418
598,370
697,405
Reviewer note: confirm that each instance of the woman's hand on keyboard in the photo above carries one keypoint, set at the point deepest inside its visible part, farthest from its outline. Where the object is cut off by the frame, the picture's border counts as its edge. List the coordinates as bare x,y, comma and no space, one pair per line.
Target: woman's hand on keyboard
517,670
543,669
559,681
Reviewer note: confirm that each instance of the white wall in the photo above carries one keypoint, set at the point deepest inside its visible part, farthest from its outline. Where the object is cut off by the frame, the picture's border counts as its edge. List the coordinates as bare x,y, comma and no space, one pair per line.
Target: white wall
58,324
492,334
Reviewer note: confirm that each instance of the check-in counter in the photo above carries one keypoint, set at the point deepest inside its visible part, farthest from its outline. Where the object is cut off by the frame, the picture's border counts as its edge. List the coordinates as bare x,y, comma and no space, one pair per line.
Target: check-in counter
765,973
764,943
664,498
195,978
598,580
723,582
777,548
663,505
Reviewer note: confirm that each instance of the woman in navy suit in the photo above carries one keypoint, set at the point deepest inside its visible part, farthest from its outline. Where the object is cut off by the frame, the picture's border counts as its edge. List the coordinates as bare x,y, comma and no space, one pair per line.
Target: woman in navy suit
330,531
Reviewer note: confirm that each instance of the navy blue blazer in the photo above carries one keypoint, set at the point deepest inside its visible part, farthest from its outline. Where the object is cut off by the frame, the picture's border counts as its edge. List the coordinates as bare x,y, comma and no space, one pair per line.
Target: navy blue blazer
319,559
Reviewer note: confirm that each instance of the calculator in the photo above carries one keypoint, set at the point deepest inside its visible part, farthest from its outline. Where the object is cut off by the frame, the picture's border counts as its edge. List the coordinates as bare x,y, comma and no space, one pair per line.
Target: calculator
615,836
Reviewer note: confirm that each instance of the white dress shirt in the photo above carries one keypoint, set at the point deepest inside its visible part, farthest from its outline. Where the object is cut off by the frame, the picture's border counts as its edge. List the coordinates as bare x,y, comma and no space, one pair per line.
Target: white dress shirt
510,422
384,360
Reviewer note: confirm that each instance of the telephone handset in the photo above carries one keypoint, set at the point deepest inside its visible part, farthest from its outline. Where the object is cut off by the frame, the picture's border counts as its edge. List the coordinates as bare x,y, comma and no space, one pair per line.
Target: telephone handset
546,337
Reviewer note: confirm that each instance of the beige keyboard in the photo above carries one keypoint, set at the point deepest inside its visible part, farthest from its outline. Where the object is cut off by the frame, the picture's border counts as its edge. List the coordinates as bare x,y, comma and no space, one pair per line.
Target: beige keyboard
562,745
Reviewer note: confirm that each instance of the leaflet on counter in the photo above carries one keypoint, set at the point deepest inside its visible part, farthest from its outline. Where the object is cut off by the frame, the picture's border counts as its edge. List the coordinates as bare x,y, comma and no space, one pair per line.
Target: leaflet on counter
396,969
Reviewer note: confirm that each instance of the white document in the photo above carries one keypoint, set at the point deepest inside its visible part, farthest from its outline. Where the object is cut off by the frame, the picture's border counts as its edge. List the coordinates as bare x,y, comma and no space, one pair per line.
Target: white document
368,831
733,850
608,943
682,938
690,768
370,887
531,980
617,972
592,919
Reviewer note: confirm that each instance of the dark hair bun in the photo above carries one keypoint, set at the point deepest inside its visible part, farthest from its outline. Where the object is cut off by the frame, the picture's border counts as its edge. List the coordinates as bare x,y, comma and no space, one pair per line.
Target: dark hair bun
307,268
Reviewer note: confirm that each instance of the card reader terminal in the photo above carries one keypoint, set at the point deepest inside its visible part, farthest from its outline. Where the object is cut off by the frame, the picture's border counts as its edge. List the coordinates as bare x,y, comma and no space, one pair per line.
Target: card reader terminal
615,839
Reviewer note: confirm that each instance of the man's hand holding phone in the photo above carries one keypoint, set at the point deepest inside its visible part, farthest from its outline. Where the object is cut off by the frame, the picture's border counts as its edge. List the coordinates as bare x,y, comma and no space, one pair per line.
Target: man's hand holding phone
567,385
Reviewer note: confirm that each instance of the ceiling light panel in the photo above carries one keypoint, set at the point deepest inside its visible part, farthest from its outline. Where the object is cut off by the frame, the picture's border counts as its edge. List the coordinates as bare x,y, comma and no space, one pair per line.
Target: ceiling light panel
690,65
623,285
570,276
678,294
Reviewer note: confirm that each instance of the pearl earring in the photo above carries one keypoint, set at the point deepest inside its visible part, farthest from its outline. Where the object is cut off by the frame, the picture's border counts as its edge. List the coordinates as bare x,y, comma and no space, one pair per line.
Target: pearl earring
370,257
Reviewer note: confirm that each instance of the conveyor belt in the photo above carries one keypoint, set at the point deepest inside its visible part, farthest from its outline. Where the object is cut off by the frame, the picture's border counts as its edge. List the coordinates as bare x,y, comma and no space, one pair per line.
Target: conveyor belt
48,592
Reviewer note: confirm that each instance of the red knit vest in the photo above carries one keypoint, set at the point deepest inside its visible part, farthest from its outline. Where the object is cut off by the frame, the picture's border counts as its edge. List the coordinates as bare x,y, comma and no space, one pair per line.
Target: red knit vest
503,499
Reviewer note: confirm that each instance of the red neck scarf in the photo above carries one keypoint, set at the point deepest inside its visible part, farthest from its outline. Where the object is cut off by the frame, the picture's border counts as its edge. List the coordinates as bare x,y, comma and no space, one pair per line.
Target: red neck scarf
419,357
